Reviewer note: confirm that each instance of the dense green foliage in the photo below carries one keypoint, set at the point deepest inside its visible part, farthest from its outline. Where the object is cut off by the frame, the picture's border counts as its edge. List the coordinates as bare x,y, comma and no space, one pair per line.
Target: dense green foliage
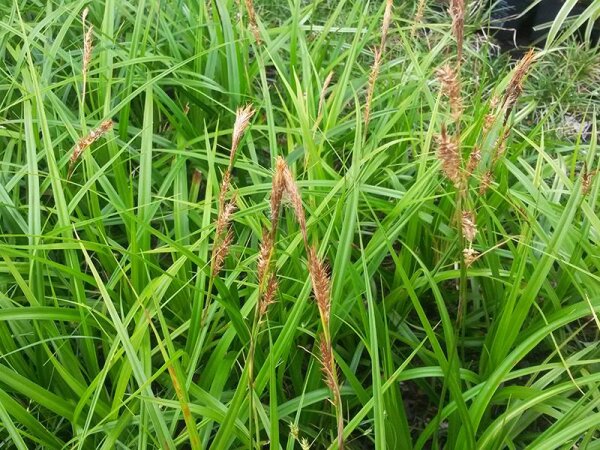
114,334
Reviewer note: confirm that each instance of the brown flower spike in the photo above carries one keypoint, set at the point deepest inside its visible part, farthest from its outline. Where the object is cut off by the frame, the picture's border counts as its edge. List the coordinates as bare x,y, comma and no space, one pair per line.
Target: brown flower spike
252,20
88,140
371,86
473,162
450,83
242,120
457,12
268,297
449,156
515,86
319,277
223,237
327,364
87,50
469,228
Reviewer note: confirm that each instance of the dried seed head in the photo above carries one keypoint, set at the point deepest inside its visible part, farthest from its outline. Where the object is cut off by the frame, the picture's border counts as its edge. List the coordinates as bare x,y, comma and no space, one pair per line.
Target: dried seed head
486,182
451,88
500,148
490,117
371,85
277,190
87,50
474,159
449,156
223,237
225,184
268,297
242,120
418,16
470,256
264,257
220,252
328,364
88,140
457,12
291,188
321,284
252,20
469,228
515,86
586,181
385,25
224,218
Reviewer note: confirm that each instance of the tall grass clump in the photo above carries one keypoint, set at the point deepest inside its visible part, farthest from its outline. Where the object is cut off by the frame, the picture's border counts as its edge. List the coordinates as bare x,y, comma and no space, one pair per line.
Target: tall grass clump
296,225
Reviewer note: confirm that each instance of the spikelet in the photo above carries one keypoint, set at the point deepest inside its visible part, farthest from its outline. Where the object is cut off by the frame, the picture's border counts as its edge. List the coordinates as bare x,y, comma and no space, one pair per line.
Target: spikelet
469,228
587,177
220,252
294,431
264,257
304,444
224,219
378,55
321,284
449,156
371,85
277,190
223,237
327,363
385,24
457,12
252,20
473,162
268,297
490,117
224,189
500,148
418,16
87,51
242,120
291,188
450,84
470,256
515,86
486,182
88,140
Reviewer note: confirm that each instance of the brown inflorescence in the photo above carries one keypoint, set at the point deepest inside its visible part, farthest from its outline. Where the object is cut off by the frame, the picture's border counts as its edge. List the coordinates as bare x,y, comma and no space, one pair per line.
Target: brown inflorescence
450,83
457,12
252,20
87,50
89,139
319,275
473,162
223,237
449,156
515,86
469,228
242,120
327,364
